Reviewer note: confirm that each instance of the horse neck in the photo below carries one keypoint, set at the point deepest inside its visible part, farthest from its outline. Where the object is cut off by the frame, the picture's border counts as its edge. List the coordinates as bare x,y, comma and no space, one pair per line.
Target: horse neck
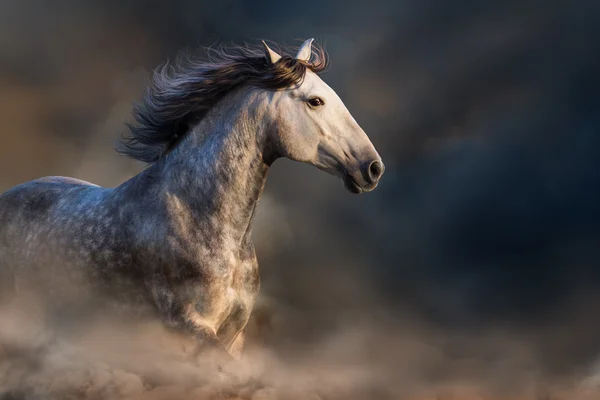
212,181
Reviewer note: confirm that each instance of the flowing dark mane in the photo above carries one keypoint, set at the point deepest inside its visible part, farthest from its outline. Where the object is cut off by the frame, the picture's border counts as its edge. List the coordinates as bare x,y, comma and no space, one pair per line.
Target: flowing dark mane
181,94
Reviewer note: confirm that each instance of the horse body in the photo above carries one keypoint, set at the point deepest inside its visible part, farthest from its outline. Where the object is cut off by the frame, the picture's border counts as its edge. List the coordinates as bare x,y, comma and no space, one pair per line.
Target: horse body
176,235
176,238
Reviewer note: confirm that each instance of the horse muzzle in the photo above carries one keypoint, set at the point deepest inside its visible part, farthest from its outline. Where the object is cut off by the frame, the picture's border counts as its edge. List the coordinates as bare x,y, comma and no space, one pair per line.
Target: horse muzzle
366,178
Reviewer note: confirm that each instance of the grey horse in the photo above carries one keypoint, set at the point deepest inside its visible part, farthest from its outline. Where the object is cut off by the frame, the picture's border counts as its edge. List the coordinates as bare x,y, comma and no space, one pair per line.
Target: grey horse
176,238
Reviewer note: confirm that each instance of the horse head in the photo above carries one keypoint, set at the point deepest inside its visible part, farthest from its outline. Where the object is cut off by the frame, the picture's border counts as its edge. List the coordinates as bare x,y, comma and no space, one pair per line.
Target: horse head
312,125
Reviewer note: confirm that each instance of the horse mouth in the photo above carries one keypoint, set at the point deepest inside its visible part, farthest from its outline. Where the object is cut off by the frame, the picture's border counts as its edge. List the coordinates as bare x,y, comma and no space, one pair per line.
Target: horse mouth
351,185
354,187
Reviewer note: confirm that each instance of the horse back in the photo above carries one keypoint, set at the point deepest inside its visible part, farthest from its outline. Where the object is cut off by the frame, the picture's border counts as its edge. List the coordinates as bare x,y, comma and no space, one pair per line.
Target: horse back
32,199
63,180
29,206
28,221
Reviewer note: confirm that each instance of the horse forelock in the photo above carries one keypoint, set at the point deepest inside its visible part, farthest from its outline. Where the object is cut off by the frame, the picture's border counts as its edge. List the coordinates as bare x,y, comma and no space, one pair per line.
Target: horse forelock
180,94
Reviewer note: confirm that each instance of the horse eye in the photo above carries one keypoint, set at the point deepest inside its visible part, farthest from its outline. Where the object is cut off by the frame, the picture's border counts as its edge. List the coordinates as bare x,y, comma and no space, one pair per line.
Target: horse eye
316,101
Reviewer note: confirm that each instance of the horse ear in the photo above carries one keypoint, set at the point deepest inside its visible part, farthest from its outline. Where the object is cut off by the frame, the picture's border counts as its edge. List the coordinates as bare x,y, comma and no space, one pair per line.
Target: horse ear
271,56
305,50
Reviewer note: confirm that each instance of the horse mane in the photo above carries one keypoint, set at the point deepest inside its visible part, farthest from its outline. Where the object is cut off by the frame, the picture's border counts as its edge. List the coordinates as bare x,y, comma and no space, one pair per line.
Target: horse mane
182,93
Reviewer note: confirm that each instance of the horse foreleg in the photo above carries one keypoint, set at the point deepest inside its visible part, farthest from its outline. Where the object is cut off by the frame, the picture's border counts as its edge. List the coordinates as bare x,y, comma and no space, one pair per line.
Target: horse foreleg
236,348
208,343
184,318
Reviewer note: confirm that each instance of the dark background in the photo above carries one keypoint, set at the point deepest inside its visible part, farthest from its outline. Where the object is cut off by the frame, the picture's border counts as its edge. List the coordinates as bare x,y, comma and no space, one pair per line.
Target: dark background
487,221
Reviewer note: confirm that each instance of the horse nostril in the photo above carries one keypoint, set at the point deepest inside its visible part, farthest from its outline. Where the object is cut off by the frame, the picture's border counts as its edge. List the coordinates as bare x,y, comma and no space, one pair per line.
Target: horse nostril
375,170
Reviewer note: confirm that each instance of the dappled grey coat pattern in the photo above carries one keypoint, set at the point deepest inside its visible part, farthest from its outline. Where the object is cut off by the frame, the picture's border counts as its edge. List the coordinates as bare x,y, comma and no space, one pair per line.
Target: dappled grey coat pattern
177,237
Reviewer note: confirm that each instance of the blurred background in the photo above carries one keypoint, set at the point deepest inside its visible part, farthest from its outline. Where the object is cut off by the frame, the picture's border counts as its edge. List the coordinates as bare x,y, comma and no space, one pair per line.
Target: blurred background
477,258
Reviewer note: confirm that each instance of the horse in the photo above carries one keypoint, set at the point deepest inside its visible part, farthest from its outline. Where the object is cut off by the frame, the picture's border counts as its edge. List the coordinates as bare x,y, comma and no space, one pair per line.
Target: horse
176,238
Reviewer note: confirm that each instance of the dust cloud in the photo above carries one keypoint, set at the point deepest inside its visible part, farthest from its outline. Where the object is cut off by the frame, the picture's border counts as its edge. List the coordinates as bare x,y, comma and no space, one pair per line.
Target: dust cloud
470,273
